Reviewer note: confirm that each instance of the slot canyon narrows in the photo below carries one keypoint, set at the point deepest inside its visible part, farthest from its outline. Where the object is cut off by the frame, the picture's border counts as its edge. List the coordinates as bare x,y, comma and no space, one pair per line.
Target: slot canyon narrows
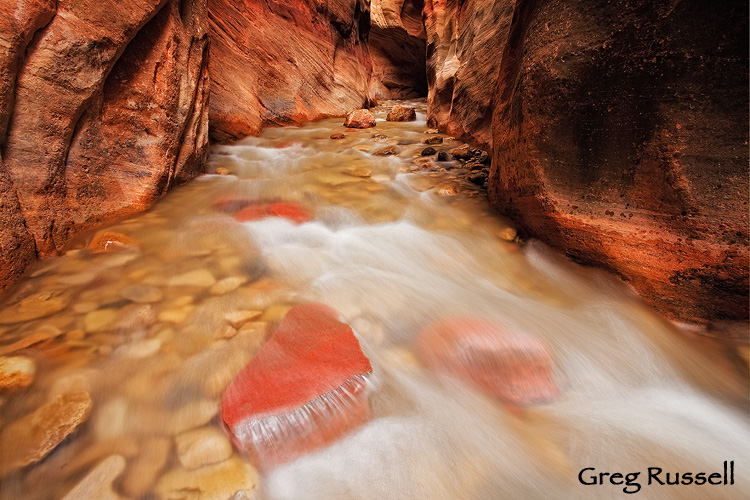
369,249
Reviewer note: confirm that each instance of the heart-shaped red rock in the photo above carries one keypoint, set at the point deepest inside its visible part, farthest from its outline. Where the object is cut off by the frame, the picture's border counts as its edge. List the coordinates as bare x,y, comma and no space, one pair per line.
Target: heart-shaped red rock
302,390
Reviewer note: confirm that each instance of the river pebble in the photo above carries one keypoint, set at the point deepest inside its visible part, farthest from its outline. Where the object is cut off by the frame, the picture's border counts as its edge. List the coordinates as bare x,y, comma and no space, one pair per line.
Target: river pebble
16,372
143,470
35,306
238,318
99,320
35,435
198,278
142,293
227,285
200,447
231,479
98,483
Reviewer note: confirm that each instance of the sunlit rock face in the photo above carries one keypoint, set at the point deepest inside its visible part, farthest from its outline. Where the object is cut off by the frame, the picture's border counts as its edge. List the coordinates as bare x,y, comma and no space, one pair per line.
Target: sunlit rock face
397,48
287,62
620,136
465,42
102,109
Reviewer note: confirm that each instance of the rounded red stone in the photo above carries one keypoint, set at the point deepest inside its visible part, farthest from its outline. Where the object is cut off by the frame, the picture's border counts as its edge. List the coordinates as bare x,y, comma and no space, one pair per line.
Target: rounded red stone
513,367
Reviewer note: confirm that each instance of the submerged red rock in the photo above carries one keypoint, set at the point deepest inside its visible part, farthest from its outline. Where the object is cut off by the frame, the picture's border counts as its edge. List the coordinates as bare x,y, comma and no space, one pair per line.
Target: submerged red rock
285,209
305,388
513,367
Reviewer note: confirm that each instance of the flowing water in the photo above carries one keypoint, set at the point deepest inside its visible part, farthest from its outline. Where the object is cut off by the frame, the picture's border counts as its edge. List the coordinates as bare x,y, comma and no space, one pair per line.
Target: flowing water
154,334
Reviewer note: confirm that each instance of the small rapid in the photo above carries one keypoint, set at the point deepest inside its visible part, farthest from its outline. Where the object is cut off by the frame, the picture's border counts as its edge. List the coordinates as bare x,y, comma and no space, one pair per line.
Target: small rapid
154,335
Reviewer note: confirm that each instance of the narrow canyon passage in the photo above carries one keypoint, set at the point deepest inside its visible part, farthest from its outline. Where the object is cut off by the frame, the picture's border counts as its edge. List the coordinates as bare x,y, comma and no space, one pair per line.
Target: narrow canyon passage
144,333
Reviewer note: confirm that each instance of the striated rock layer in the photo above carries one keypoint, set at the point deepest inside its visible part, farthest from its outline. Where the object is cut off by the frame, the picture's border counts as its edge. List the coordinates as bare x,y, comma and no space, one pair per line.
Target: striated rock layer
397,48
465,40
284,63
620,136
102,109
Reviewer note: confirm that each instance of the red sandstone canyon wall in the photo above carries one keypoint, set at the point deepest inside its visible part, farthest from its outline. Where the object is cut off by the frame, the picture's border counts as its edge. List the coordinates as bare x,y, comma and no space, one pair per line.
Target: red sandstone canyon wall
286,62
620,136
465,42
397,47
102,109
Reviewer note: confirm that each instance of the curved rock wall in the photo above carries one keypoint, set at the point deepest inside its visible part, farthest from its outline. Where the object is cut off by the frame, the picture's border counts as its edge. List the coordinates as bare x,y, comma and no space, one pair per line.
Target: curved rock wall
286,62
397,48
465,41
102,109
620,136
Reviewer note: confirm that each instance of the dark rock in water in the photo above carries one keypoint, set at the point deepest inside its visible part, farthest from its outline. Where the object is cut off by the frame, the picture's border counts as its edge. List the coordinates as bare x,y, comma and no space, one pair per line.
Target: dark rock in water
433,140
513,367
231,204
462,152
313,376
428,151
478,177
401,113
386,151
338,136
444,156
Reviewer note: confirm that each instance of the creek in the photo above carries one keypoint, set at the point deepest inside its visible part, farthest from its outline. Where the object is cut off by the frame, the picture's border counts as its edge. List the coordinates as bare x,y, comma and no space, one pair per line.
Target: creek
155,331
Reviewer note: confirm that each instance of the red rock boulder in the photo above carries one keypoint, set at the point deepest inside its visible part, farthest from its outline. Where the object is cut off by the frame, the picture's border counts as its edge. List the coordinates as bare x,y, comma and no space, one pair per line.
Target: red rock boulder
305,388
513,367
361,118
401,113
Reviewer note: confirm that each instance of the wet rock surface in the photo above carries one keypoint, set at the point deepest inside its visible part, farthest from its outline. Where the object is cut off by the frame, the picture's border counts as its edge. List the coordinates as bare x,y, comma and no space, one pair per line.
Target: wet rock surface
312,366
32,437
360,118
98,483
16,372
401,113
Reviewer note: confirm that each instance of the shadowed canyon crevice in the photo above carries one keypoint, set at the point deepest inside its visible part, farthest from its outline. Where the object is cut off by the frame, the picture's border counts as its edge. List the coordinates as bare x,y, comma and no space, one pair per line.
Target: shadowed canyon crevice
618,129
